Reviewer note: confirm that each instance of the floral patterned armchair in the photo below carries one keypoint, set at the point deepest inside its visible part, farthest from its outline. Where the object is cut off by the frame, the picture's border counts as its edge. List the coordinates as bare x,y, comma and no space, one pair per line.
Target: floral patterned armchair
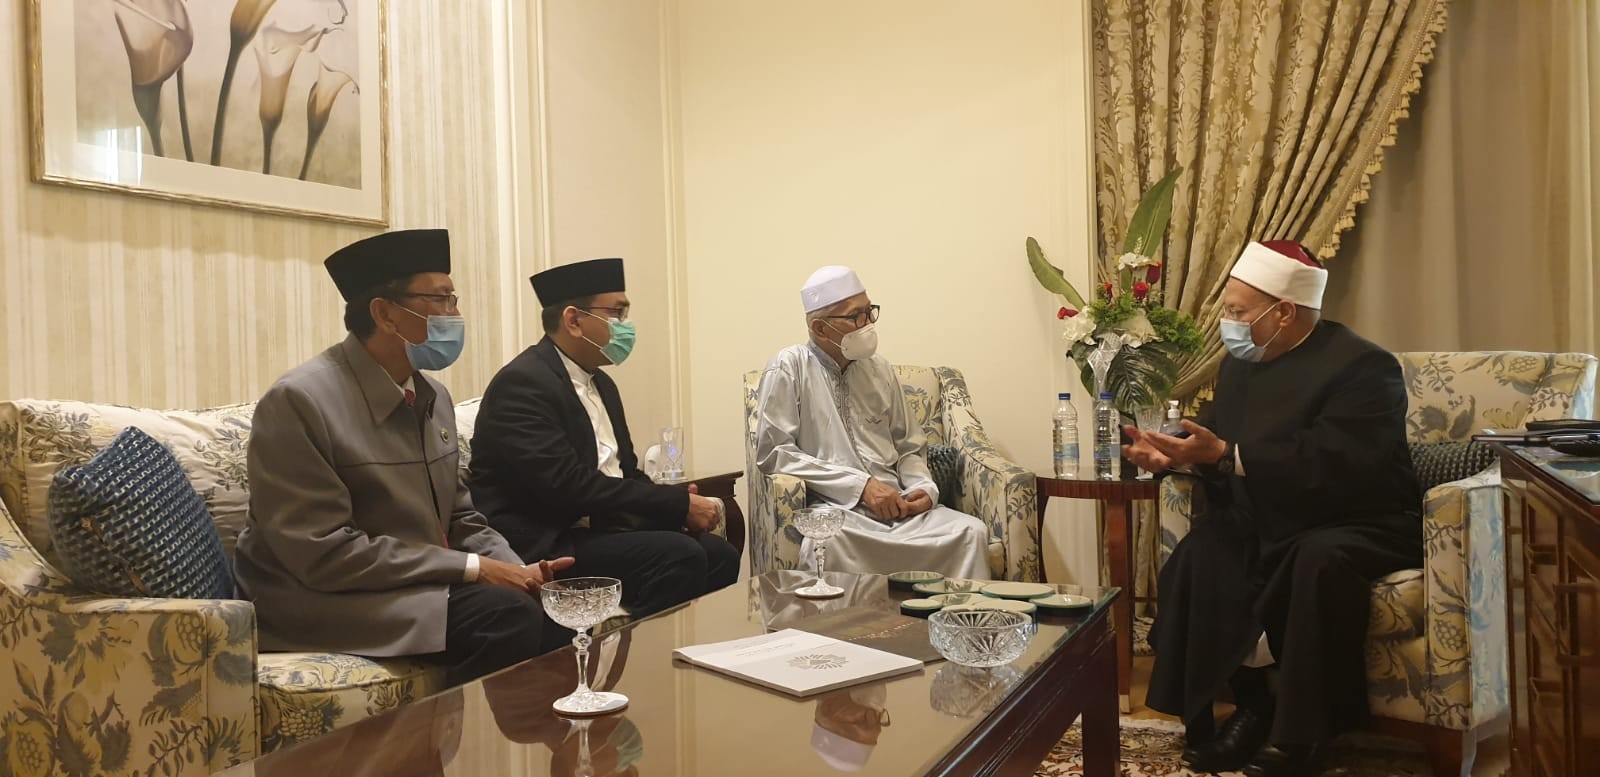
1436,640
993,489
98,685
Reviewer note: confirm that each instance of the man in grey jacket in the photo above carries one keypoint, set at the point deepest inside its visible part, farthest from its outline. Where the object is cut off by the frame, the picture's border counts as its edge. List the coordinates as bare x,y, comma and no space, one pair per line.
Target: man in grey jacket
361,536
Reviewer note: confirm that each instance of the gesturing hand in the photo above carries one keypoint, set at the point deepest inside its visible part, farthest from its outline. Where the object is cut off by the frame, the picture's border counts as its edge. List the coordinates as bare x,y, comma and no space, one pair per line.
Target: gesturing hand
1202,446
1143,454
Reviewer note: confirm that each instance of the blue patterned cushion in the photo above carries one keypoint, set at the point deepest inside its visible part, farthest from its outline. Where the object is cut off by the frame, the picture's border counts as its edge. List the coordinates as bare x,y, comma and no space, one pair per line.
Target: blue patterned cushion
128,523
945,464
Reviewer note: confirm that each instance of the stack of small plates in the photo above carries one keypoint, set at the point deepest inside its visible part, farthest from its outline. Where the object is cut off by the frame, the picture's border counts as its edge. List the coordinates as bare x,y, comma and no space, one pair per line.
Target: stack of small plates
1063,602
939,592
948,585
906,581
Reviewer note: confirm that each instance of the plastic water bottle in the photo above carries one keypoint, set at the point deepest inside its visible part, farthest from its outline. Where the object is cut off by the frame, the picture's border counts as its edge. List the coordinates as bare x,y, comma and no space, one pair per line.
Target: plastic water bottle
1107,438
1065,434
1174,424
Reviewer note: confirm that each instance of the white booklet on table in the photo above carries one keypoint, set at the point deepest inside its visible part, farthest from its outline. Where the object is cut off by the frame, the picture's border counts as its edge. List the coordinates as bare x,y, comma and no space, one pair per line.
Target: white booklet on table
798,663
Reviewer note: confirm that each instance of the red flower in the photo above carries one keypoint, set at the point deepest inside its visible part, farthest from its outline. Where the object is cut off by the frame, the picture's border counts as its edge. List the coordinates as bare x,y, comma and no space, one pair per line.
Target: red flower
1065,313
1153,273
1141,290
1105,289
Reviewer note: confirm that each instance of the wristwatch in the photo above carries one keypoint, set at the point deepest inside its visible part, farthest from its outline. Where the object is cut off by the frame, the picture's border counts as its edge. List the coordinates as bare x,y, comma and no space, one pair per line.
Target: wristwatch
1224,465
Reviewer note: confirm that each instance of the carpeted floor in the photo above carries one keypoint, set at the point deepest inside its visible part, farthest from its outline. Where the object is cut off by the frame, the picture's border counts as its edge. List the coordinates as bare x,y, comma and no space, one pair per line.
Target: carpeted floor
1151,748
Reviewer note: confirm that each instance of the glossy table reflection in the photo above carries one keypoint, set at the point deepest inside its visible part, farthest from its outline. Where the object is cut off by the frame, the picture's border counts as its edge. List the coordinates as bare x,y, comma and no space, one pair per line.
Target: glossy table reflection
688,722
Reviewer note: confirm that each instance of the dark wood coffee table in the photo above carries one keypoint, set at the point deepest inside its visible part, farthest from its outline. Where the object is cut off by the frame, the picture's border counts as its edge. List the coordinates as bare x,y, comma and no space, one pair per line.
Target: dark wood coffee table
689,722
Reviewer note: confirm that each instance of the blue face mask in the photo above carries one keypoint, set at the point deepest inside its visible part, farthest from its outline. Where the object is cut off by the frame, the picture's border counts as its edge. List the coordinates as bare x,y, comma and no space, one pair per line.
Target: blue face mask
623,334
447,335
1237,339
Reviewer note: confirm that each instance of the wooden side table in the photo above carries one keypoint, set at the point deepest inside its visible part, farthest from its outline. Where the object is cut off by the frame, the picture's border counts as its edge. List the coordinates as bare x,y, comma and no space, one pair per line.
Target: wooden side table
1117,496
721,486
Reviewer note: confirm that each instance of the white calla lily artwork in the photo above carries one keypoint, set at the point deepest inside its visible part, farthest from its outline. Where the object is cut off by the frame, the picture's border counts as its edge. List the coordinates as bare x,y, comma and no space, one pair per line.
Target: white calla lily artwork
269,105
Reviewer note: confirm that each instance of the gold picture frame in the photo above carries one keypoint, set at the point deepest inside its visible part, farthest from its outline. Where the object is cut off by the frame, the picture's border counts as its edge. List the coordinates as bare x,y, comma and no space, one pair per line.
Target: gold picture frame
125,97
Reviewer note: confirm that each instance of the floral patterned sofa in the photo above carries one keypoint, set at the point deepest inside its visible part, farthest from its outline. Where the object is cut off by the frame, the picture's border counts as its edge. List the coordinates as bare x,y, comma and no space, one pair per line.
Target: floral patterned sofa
1436,641
155,686
998,492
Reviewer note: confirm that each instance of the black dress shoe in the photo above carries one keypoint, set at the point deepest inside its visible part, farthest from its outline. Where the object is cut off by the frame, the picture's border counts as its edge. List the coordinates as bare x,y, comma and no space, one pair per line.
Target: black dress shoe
1283,761
1196,739
1238,739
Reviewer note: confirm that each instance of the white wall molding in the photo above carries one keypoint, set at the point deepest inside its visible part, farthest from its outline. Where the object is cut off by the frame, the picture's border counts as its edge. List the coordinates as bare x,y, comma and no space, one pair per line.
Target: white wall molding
539,125
672,169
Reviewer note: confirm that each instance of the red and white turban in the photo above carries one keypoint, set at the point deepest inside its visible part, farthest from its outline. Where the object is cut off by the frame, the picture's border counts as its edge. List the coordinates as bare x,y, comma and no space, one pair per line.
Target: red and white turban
1283,269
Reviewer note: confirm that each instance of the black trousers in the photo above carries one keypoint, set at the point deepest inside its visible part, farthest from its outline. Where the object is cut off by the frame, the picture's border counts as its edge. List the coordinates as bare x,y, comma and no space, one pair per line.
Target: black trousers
1311,596
491,627
658,569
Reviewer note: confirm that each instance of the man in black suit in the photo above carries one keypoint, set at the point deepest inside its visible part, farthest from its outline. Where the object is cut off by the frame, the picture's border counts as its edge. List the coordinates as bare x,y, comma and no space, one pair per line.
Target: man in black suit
553,464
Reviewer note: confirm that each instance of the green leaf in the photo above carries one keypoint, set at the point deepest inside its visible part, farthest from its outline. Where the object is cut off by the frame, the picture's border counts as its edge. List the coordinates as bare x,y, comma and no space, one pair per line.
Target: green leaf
1149,221
1139,376
1050,276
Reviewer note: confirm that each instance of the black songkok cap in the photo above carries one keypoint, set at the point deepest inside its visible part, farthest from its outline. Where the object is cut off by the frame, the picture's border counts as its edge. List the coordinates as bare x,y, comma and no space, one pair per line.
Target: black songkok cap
403,253
577,280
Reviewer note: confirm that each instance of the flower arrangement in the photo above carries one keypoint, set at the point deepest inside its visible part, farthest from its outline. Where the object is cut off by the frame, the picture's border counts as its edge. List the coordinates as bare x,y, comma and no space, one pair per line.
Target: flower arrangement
1124,340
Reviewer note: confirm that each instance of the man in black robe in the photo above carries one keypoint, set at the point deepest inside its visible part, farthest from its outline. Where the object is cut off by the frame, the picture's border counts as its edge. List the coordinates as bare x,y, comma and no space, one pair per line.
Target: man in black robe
1311,496
553,465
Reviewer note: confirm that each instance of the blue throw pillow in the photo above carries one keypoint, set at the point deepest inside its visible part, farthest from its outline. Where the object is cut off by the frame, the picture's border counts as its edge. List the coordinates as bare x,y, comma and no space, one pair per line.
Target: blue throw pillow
128,523
944,463
1445,462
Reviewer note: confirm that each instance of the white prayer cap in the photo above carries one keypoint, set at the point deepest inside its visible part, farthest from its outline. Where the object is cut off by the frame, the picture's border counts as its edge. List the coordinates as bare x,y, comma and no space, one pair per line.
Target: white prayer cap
1284,269
830,285
844,755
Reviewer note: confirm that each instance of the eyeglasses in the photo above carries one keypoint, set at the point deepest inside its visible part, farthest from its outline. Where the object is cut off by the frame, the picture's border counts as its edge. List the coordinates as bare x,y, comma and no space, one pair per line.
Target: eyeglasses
868,316
447,300
619,313
1238,314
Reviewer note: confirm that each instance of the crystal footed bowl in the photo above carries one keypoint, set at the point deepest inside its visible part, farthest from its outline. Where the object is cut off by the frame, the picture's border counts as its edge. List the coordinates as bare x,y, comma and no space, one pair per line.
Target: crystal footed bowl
980,637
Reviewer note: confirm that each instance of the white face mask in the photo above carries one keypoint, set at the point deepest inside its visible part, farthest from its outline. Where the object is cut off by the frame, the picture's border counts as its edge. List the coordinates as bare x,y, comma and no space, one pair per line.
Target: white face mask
859,344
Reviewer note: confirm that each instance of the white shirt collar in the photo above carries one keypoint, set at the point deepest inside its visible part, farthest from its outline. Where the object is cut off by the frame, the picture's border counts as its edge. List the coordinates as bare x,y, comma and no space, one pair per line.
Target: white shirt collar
576,373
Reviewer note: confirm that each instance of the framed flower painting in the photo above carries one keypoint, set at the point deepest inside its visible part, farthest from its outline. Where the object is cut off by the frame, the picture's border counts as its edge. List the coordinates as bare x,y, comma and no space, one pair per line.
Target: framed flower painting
270,105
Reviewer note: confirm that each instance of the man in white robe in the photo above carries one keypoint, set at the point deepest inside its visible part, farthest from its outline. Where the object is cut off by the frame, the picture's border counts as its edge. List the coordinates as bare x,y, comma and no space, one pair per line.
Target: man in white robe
833,415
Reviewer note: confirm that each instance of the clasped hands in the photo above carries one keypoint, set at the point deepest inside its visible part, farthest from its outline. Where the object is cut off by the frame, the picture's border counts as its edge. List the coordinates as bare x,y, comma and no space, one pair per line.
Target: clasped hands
524,577
888,505
1157,452
703,512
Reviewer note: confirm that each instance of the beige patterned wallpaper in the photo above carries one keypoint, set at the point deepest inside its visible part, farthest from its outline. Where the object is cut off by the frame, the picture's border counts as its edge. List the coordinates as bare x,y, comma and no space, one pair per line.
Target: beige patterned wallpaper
112,298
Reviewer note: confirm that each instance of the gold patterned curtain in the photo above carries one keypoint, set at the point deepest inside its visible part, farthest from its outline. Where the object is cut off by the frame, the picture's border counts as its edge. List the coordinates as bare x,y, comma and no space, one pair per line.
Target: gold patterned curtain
1277,110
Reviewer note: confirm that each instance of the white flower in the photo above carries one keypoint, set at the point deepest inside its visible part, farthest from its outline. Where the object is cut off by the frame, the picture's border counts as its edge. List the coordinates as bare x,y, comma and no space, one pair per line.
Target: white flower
1132,261
1079,328
1137,330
